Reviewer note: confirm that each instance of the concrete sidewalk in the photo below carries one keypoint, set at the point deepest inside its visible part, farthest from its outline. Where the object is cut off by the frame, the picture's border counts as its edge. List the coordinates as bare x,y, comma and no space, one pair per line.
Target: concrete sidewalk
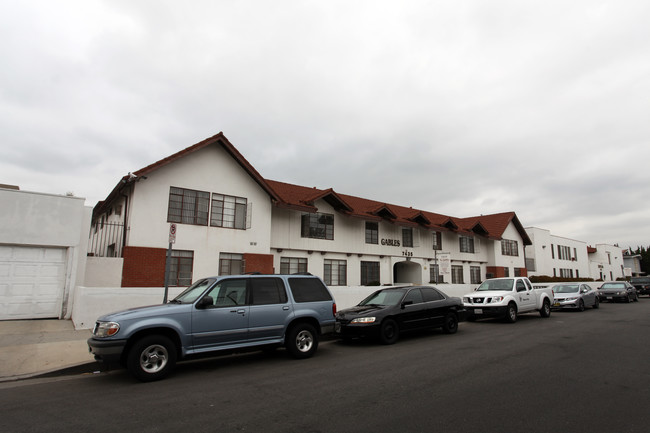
33,347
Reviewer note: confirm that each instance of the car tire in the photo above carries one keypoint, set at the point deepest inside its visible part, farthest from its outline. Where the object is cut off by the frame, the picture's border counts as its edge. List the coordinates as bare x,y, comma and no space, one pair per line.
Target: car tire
151,358
545,311
389,331
581,305
302,341
511,313
597,303
450,325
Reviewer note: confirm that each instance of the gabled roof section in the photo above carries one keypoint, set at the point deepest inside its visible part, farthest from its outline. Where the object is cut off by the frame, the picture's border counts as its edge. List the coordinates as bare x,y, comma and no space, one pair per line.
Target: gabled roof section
331,197
495,225
384,211
216,140
420,218
219,140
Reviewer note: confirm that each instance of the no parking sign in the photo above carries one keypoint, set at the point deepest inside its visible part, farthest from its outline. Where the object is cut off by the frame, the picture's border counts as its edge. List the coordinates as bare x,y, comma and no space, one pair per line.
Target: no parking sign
172,233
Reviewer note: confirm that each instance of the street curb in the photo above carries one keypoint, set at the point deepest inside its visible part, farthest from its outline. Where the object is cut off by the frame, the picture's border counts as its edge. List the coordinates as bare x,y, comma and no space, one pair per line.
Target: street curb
71,370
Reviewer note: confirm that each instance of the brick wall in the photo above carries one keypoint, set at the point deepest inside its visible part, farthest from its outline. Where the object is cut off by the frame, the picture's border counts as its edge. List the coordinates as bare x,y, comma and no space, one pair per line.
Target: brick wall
500,271
262,263
144,267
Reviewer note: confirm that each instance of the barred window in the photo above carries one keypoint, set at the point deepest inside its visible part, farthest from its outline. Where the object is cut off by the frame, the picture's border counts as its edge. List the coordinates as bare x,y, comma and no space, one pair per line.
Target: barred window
457,274
372,232
475,274
437,240
407,237
335,272
231,264
509,247
293,265
370,273
180,268
434,275
318,226
187,206
228,211
466,244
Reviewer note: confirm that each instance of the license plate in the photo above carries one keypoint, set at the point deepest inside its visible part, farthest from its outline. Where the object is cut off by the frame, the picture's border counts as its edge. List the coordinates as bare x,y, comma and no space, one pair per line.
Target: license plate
478,311
557,304
609,297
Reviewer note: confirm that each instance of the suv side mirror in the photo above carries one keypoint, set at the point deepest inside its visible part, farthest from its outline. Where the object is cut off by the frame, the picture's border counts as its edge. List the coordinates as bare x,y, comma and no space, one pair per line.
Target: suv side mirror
405,303
205,302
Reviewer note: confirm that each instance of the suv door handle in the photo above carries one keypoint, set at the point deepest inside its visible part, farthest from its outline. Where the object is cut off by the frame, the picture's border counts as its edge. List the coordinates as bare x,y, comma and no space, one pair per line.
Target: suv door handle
242,312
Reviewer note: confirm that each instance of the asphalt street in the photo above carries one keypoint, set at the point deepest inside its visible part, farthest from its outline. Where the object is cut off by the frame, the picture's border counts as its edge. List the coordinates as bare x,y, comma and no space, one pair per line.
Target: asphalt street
574,372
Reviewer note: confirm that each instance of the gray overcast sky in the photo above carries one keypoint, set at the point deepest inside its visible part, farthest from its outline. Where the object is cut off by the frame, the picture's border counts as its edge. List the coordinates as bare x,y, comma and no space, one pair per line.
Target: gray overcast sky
456,107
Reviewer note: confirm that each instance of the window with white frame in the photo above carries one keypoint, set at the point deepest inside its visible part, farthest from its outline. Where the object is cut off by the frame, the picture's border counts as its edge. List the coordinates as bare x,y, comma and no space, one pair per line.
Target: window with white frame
335,272
434,274
457,274
293,265
407,237
509,247
475,274
437,241
231,264
466,244
187,206
317,225
180,268
228,211
369,273
372,232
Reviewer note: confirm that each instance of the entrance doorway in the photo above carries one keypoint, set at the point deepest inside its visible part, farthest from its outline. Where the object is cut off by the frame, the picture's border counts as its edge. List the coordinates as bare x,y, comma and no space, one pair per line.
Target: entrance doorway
407,272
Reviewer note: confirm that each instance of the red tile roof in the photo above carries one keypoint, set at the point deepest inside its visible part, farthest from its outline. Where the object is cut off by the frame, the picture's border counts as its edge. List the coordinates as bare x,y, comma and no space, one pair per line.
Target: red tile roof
302,198
491,226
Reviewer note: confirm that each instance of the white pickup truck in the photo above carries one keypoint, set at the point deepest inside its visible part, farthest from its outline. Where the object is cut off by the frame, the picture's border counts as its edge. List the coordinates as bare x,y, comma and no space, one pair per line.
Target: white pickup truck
507,297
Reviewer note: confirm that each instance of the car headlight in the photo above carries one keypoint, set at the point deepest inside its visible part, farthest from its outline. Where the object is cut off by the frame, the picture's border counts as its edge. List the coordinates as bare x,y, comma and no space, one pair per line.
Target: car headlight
496,299
363,320
106,329
466,299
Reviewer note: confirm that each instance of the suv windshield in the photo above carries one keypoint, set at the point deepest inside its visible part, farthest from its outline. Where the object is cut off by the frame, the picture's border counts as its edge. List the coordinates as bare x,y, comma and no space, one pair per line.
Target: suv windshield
502,285
192,293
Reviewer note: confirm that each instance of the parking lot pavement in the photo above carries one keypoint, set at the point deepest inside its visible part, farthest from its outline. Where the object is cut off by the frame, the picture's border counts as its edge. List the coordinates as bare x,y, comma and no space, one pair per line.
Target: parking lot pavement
33,347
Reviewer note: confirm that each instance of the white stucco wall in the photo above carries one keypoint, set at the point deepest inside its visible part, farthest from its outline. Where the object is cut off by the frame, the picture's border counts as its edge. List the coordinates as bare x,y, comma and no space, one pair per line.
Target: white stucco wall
349,245
33,219
544,252
211,170
607,261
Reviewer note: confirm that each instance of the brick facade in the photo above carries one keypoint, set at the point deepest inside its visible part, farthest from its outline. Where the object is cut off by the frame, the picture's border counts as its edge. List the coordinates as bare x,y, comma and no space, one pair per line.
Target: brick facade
262,263
144,267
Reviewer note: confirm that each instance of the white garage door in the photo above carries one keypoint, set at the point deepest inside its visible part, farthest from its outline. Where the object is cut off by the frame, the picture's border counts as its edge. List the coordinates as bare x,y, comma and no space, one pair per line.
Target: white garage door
32,280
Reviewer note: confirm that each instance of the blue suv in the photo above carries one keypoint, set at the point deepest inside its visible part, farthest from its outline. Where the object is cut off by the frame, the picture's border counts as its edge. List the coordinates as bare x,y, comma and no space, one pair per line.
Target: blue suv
215,314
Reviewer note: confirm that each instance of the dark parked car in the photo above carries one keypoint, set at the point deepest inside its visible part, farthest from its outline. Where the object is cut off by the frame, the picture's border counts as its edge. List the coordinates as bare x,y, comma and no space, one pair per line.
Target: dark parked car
618,291
642,285
388,312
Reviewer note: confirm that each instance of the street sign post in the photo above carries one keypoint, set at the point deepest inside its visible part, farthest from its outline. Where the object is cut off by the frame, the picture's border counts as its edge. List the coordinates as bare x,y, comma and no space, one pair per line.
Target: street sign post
172,239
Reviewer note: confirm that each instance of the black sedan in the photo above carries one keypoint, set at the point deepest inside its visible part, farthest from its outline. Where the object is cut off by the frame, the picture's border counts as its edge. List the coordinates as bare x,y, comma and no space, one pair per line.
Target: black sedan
388,312
618,291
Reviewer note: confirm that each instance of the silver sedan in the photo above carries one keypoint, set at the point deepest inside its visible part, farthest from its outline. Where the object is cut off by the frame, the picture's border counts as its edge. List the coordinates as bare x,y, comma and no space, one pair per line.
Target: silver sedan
574,296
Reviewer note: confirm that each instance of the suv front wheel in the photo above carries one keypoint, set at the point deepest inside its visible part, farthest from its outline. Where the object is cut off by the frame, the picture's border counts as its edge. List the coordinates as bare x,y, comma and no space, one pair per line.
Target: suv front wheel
151,358
302,341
